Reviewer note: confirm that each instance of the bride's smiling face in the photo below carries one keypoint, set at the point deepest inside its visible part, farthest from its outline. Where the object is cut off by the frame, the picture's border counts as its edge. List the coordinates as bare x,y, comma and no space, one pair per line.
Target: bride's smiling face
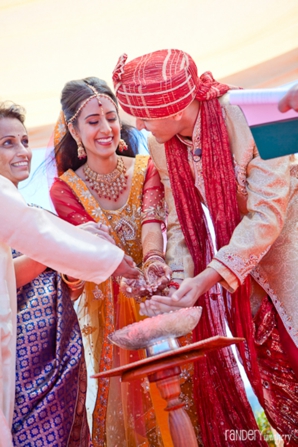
98,127
15,155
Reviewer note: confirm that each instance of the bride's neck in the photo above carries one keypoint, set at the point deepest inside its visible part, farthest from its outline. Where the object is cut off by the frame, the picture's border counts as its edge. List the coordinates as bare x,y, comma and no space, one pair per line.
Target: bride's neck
102,165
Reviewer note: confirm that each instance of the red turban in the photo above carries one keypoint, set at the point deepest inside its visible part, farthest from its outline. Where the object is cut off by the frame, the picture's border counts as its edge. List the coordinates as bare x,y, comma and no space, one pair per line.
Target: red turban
156,85
161,84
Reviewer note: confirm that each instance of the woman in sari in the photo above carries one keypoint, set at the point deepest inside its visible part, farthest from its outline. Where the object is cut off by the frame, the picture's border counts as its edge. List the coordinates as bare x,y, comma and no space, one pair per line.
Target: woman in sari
50,367
99,183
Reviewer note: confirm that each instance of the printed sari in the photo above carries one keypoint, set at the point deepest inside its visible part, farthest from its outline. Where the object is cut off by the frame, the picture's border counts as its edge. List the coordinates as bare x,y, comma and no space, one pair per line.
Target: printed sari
51,376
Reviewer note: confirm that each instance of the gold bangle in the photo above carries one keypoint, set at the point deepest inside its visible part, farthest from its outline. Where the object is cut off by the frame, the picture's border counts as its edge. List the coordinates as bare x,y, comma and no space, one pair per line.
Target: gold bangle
77,284
77,287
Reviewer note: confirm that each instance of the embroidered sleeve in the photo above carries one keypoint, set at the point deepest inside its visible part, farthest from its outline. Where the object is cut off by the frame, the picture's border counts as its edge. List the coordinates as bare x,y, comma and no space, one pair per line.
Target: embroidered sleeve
230,280
67,204
178,257
153,204
268,193
263,190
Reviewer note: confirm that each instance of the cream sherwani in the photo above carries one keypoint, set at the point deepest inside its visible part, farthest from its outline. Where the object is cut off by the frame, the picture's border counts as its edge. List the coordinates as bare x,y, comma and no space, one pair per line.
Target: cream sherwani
53,242
265,243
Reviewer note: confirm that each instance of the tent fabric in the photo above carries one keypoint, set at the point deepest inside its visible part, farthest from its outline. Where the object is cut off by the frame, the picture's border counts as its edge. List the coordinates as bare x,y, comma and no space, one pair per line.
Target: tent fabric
45,43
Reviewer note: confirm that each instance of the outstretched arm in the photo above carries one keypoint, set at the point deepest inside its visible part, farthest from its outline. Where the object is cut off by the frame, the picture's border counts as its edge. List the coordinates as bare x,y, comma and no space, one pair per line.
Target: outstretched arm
26,270
156,270
177,254
52,242
290,100
186,296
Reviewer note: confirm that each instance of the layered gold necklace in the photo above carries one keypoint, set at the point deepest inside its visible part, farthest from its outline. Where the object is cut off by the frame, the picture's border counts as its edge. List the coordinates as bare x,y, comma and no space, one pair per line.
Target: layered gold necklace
108,186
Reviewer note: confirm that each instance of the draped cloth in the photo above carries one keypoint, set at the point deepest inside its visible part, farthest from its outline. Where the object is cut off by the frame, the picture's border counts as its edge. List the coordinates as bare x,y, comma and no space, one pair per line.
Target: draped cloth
123,413
220,189
278,377
51,378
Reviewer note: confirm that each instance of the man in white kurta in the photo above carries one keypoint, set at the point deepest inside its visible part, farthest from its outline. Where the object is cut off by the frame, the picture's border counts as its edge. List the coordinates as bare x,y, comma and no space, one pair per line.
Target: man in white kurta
55,243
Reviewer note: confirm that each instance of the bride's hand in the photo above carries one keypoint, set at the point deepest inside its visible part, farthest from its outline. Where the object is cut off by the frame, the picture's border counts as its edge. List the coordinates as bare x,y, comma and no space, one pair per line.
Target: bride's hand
186,296
157,274
98,229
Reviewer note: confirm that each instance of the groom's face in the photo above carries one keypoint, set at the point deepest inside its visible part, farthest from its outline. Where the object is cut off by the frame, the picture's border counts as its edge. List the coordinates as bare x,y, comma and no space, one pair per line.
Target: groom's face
162,129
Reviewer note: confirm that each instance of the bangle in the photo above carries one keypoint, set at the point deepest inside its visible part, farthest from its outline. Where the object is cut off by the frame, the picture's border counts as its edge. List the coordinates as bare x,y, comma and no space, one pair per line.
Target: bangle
78,286
153,253
174,284
151,260
73,285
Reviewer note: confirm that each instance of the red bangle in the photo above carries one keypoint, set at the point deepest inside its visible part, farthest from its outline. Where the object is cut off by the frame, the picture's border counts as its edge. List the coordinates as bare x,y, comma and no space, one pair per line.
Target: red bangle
174,284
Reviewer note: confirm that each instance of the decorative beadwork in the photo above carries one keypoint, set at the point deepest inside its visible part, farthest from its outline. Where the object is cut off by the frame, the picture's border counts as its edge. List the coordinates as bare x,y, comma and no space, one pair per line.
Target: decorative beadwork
95,95
108,186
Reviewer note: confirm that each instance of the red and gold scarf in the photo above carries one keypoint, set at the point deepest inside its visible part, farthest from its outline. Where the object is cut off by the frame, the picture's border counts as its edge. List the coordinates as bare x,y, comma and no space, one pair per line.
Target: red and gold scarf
215,389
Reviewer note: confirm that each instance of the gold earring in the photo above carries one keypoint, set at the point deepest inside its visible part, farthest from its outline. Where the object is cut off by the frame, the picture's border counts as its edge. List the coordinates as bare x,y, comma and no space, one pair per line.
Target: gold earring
81,150
122,145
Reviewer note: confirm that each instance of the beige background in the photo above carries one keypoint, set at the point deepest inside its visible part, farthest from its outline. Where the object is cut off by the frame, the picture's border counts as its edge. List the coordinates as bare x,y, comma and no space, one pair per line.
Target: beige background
45,43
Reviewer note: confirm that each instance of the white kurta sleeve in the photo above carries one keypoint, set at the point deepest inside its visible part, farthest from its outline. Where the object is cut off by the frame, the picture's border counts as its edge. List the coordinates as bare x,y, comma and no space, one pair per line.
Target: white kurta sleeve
47,239
8,310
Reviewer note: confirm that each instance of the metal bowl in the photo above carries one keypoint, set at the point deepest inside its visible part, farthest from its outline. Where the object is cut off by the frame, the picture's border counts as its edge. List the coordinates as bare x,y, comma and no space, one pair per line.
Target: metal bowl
147,332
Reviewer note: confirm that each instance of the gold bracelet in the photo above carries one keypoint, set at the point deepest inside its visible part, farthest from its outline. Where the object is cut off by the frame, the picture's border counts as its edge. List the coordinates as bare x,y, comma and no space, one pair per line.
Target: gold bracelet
73,285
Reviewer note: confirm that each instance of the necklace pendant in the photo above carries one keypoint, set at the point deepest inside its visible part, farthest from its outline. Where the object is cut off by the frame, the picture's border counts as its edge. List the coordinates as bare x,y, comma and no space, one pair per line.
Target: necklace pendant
111,185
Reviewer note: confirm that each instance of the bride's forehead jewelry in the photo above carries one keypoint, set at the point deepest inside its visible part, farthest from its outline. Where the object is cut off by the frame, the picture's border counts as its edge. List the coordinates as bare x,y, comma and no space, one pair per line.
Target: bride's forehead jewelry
95,95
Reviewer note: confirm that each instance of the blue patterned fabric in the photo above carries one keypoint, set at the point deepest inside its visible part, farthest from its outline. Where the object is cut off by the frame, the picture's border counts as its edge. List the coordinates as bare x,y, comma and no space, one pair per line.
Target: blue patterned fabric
50,368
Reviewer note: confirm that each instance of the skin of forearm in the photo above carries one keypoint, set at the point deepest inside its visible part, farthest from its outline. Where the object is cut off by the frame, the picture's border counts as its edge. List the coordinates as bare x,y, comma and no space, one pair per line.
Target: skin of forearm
26,270
204,281
152,238
209,277
75,294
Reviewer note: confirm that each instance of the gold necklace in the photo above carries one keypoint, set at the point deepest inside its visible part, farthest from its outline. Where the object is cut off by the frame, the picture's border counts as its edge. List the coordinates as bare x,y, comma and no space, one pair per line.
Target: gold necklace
109,186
